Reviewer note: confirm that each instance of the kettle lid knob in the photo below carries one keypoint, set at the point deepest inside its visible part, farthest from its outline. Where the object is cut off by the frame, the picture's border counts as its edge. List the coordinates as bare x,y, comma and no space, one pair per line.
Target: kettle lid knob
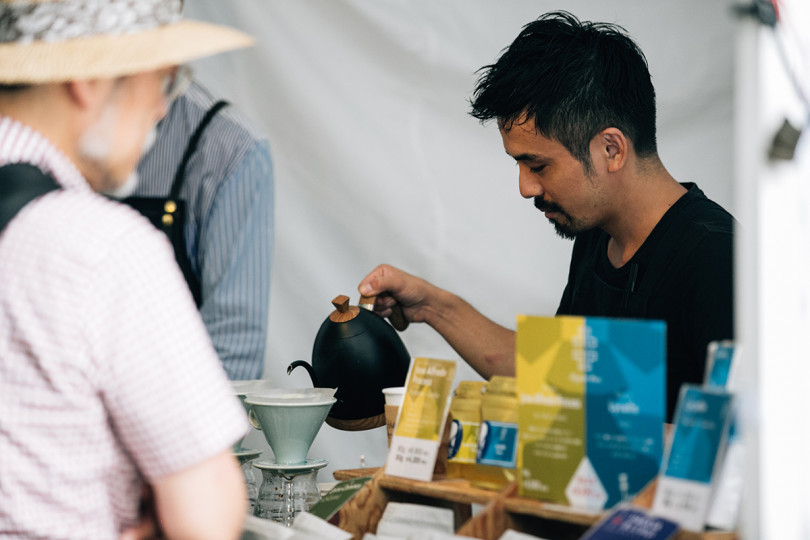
343,311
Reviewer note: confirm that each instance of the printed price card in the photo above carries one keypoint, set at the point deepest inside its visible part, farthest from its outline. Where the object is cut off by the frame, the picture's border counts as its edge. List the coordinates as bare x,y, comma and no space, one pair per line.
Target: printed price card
421,418
684,489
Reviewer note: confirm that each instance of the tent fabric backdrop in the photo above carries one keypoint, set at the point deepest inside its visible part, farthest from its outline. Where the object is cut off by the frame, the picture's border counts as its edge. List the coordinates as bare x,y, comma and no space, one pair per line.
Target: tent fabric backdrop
365,103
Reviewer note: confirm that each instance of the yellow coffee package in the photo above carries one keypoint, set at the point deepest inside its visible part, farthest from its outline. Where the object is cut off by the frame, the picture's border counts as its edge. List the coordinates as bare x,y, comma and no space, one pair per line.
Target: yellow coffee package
465,410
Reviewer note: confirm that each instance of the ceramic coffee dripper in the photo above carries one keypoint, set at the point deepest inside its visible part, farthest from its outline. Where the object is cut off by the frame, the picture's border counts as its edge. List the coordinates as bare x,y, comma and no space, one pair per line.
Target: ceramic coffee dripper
246,455
241,389
290,419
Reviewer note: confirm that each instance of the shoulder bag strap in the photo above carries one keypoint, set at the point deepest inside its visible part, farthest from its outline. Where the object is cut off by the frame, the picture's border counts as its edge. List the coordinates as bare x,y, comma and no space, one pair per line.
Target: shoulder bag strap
20,184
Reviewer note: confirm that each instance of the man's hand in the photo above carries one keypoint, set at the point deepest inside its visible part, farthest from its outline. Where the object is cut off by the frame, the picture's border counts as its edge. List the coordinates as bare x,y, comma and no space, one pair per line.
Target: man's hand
488,347
147,528
398,290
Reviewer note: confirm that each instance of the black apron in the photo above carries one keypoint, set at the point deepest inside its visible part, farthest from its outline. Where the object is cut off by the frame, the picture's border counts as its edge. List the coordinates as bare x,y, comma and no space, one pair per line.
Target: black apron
20,184
169,214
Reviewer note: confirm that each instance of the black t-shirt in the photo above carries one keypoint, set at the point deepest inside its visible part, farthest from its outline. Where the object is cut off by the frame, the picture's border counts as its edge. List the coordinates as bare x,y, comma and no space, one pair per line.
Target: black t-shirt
682,274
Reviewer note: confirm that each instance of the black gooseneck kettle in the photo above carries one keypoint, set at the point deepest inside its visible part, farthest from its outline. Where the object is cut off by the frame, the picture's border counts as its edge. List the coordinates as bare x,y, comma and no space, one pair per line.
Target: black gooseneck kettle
359,353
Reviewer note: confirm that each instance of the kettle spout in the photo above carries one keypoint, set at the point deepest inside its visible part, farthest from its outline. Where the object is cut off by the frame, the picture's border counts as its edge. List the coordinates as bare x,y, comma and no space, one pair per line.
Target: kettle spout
309,369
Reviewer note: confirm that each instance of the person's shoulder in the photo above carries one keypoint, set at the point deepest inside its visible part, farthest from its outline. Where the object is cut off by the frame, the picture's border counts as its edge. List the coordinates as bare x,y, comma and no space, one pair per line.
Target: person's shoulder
89,227
230,120
703,215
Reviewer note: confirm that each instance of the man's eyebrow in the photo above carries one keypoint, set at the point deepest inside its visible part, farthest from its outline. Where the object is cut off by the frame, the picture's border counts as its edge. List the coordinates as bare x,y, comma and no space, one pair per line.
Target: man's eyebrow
527,157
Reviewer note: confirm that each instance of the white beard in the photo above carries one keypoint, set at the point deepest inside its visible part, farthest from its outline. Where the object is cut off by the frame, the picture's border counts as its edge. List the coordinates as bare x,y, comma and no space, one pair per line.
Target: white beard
96,145
126,189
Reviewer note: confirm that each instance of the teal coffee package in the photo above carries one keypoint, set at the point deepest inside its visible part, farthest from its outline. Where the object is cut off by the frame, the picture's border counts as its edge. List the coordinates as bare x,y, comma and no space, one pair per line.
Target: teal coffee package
591,408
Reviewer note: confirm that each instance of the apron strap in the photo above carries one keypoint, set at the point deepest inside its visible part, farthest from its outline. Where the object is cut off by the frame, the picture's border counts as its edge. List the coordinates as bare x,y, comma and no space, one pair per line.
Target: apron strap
180,174
20,184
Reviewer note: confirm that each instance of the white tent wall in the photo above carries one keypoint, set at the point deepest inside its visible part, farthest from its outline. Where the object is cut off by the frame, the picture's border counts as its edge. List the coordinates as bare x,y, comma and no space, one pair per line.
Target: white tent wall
365,103
773,255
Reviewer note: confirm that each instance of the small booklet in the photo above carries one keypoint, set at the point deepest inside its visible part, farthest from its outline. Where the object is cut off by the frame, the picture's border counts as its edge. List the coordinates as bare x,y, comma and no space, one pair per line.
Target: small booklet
631,523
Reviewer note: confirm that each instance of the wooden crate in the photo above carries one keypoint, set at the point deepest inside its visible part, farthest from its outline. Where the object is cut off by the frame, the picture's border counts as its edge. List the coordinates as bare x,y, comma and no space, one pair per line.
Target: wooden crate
501,510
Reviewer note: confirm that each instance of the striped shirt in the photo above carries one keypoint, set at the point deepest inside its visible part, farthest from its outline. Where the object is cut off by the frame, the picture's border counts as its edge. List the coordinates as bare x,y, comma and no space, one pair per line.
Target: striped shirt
107,375
228,191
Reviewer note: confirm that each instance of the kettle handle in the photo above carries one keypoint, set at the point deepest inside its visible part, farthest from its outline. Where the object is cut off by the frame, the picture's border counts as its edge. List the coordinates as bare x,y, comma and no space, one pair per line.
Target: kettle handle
397,316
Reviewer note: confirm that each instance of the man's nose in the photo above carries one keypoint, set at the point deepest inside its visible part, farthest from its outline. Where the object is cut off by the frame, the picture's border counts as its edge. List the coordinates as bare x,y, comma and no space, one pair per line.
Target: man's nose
528,184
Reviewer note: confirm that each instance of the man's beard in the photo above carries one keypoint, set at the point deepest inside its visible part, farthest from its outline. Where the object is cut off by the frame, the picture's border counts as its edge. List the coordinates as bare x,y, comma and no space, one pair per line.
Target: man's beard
96,145
570,228
131,183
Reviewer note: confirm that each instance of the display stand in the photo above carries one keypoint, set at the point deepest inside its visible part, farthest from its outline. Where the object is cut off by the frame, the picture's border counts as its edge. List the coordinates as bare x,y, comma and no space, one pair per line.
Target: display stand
501,510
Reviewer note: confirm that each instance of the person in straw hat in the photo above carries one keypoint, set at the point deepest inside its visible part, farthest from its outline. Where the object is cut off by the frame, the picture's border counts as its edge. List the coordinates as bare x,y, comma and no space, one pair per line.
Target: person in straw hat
108,380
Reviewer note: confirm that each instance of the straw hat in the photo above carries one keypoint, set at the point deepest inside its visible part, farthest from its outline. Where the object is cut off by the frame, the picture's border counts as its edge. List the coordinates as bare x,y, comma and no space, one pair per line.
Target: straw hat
45,41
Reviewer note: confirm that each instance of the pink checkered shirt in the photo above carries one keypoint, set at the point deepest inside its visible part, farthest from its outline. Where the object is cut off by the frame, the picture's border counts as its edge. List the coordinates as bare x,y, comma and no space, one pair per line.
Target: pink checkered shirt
107,374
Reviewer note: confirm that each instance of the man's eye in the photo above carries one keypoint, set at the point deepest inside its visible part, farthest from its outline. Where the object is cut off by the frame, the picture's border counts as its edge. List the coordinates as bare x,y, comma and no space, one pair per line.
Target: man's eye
538,169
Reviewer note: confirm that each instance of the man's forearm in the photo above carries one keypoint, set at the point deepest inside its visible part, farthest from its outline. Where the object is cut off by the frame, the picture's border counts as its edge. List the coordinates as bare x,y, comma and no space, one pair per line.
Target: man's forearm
486,346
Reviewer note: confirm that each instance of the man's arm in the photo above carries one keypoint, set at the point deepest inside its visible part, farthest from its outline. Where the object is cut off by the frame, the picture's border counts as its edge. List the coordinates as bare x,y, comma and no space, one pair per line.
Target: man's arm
185,507
235,254
207,500
488,347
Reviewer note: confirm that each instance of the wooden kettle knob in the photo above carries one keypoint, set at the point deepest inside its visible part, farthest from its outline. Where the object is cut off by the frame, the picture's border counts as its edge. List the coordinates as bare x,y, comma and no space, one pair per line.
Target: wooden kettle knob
343,311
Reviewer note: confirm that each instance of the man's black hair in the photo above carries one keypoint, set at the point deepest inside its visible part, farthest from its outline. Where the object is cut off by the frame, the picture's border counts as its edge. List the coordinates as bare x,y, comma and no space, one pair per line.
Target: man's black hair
574,79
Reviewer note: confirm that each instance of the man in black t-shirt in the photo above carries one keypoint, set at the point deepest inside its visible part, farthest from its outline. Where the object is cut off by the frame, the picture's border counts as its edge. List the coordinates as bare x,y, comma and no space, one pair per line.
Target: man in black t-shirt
575,107
681,274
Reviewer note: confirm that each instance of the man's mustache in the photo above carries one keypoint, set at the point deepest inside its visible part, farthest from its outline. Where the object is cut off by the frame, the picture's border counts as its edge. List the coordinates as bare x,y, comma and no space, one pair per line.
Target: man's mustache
545,206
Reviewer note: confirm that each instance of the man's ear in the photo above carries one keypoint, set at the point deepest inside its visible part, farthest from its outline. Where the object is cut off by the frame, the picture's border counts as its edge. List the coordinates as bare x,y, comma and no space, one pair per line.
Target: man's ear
613,146
88,93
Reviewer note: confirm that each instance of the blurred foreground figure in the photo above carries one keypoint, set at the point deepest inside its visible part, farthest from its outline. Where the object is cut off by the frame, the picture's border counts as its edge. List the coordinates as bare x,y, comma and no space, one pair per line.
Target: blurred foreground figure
109,385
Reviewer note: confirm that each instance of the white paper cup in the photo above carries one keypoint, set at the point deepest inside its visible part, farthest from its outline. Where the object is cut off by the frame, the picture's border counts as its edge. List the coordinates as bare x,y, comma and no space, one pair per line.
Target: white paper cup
394,395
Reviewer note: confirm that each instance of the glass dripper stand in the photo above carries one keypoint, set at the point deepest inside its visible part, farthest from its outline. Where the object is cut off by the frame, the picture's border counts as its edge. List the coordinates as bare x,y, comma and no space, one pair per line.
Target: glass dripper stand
287,489
246,457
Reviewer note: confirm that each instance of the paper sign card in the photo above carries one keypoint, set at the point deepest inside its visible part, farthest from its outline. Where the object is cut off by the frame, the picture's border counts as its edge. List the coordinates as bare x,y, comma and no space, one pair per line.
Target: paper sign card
701,427
721,364
339,495
591,406
421,418
722,371
630,523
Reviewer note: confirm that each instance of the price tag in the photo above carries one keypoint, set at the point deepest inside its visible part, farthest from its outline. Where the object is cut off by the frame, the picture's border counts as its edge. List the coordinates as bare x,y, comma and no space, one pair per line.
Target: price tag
421,418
